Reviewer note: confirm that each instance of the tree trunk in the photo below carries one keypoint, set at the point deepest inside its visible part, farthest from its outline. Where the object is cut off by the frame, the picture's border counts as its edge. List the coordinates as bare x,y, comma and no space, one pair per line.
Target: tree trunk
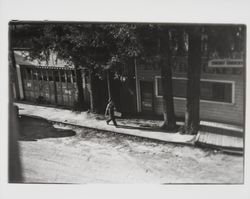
80,97
192,117
166,78
92,90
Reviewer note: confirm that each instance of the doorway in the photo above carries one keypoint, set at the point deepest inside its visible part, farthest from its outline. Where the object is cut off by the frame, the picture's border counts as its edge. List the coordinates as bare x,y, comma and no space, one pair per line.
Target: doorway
147,99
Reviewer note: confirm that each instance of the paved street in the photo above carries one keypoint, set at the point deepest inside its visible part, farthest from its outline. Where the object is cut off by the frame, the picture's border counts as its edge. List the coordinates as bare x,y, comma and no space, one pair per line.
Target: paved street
64,154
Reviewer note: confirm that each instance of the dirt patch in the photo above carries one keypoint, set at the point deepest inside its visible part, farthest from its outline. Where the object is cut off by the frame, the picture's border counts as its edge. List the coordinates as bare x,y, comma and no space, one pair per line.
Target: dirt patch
32,129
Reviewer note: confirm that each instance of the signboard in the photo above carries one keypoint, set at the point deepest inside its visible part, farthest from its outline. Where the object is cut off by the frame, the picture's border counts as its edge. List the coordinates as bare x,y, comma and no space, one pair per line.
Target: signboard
228,63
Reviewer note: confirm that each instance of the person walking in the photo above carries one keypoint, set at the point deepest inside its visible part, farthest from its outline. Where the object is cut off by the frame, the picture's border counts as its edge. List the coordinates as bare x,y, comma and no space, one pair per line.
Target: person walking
110,109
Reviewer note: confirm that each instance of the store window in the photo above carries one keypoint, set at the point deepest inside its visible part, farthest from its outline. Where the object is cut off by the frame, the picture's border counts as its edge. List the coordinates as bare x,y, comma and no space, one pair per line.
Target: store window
211,90
216,91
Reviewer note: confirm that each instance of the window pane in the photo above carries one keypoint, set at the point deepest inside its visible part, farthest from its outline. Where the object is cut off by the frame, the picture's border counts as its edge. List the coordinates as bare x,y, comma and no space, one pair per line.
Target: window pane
211,91
228,93
216,91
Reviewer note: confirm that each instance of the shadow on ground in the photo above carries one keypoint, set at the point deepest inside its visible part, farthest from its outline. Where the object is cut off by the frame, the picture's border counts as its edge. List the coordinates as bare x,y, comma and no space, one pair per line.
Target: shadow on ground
147,128
139,127
32,129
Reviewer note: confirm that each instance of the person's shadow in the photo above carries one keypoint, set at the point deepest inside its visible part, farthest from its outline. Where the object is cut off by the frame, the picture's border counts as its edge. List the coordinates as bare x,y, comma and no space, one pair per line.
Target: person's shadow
32,129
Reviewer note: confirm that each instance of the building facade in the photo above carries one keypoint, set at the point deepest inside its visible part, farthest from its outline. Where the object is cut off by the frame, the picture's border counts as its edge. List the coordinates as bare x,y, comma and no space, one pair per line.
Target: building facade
46,83
222,89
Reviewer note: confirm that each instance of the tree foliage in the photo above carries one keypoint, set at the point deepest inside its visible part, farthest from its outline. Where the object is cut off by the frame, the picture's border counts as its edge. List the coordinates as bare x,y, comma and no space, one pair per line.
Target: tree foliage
225,40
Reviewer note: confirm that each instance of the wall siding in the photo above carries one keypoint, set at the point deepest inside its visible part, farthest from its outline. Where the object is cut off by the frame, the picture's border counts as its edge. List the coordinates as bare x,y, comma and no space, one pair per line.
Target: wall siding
228,113
66,92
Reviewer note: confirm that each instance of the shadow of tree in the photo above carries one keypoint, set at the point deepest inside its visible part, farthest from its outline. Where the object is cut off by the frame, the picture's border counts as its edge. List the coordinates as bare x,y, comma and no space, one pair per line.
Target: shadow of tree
32,129
156,129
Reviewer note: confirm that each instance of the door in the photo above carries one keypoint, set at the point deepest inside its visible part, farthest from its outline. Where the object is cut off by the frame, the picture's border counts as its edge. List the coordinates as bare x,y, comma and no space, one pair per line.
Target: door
146,96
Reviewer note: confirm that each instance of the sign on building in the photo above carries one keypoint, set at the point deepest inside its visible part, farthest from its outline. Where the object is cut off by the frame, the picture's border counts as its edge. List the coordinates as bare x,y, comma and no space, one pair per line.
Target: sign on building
229,63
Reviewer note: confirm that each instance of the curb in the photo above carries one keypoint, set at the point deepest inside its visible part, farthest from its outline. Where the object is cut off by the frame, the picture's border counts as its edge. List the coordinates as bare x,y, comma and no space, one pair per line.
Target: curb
230,151
191,144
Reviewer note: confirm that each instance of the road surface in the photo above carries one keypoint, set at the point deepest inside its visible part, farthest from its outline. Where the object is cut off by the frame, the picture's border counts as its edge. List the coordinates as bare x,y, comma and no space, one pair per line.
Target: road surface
66,154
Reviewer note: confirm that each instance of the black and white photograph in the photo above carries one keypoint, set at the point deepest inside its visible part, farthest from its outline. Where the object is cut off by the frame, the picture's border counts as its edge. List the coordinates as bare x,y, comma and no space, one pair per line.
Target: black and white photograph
125,102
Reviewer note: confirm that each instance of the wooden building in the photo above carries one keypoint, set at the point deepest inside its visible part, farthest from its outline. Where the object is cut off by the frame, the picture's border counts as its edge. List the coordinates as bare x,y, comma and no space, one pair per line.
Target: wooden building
222,89
54,83
50,83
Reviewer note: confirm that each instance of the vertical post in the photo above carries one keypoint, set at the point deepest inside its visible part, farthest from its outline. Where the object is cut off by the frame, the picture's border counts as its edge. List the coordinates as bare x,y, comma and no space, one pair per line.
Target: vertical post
75,86
41,92
137,87
26,92
60,81
54,84
32,85
92,91
108,82
72,91
19,79
66,81
48,83
71,77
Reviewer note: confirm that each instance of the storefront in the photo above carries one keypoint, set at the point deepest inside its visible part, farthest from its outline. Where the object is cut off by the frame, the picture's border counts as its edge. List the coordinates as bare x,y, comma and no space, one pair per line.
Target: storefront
46,83
49,85
221,95
222,86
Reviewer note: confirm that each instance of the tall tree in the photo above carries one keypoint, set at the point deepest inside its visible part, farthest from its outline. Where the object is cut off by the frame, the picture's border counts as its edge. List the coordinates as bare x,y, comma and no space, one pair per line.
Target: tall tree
225,40
192,117
221,40
155,42
83,45
40,40
165,56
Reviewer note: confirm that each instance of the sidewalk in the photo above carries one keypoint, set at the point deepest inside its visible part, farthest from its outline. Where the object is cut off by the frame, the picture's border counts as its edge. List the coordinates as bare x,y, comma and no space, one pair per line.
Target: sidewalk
141,128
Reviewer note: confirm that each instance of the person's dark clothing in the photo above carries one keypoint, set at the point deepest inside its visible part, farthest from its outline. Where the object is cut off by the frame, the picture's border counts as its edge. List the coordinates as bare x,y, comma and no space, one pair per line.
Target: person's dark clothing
111,109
